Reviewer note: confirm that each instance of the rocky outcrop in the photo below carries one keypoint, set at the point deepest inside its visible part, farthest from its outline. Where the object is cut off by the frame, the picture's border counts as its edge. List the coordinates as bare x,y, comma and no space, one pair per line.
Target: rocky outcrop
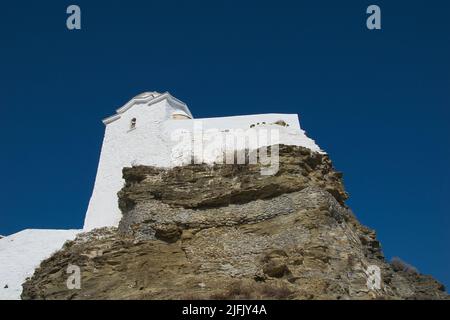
226,232
203,186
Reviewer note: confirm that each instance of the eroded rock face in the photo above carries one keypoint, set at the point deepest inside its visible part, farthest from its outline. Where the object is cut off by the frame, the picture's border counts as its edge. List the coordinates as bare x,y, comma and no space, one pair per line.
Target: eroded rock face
226,232
204,186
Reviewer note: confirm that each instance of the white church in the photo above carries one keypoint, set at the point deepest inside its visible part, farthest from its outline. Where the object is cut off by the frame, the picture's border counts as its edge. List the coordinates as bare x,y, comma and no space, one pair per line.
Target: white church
142,131
152,129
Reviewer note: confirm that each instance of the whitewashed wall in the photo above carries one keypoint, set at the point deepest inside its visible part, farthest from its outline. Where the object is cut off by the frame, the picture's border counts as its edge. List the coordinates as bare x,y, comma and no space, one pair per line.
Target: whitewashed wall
123,147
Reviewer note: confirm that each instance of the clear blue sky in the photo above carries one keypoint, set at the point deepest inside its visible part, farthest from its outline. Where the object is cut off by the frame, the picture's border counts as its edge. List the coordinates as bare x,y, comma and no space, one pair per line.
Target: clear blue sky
377,101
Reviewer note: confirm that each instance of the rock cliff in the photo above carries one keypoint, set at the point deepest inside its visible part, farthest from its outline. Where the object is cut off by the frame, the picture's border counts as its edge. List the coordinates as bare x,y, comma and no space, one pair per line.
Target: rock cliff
227,232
